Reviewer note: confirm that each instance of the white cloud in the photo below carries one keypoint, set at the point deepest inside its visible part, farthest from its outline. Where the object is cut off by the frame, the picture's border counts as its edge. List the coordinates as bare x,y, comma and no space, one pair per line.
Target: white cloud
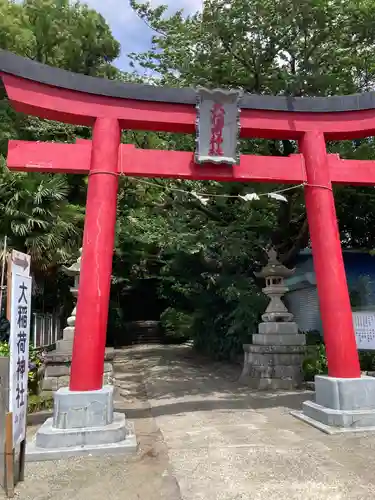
128,29
120,10
189,6
112,10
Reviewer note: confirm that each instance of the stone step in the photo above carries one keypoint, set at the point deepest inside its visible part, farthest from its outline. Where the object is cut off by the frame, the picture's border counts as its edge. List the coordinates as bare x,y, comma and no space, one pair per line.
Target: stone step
147,339
144,332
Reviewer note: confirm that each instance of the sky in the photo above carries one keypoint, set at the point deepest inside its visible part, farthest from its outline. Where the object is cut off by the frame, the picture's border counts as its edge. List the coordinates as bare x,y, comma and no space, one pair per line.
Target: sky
128,29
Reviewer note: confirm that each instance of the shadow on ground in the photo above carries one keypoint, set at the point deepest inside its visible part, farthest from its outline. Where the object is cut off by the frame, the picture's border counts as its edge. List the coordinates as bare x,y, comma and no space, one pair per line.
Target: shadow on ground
183,373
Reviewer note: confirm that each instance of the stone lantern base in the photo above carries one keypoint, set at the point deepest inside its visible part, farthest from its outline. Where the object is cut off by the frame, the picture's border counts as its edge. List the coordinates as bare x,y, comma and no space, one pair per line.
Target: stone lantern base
57,370
274,360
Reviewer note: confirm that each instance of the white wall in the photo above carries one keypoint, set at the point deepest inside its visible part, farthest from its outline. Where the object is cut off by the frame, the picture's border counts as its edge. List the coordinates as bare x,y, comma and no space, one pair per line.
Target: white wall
303,303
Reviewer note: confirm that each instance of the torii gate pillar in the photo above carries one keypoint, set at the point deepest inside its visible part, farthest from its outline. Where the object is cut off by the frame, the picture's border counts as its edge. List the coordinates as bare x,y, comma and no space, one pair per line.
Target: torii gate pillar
334,302
343,400
96,264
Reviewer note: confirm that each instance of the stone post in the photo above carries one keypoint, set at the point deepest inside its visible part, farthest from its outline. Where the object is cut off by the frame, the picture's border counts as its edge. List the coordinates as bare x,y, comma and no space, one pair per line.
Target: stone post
58,362
274,360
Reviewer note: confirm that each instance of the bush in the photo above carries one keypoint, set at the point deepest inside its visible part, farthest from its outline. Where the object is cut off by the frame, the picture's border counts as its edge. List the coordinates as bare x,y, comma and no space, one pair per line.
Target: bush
35,362
4,349
313,337
176,326
367,360
39,403
315,363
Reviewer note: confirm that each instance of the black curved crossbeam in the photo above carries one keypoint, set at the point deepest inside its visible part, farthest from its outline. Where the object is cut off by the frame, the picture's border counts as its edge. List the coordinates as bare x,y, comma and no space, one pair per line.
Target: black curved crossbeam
41,73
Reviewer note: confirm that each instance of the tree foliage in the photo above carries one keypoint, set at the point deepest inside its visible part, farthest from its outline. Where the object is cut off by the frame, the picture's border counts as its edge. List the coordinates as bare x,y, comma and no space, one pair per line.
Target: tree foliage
43,214
35,211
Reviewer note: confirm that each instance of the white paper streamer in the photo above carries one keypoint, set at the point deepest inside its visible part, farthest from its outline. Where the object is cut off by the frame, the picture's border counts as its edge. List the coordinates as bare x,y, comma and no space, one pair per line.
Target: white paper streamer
202,199
249,197
277,196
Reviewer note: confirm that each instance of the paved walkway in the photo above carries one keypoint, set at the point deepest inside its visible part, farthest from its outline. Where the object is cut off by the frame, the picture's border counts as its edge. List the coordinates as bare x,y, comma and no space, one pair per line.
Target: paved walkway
226,443
202,436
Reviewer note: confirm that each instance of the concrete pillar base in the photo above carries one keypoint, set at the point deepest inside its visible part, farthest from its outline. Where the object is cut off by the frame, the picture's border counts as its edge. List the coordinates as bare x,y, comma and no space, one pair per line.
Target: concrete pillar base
341,405
83,423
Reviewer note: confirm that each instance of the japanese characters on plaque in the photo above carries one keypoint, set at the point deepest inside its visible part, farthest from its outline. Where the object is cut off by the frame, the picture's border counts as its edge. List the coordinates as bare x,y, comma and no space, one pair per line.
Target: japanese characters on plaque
364,326
218,126
19,353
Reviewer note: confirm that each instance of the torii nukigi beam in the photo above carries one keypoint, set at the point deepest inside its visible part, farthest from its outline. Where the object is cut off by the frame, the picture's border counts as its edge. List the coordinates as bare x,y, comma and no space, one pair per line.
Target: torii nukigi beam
110,106
55,158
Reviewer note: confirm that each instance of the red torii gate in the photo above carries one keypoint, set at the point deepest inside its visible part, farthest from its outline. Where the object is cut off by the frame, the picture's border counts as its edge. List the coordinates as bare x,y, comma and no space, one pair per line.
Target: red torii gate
110,106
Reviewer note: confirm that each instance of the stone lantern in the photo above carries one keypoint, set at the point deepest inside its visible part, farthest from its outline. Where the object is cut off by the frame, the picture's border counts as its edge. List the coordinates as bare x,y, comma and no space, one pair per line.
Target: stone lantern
274,274
274,359
74,271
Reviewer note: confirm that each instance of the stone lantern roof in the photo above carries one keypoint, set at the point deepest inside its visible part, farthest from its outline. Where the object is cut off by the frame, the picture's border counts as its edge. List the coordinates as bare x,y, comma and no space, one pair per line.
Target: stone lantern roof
274,268
75,268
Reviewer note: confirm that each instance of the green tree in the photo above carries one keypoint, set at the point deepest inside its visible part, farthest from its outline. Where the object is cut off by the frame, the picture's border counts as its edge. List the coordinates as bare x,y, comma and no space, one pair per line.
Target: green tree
43,214
15,35
60,33
37,217
316,47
